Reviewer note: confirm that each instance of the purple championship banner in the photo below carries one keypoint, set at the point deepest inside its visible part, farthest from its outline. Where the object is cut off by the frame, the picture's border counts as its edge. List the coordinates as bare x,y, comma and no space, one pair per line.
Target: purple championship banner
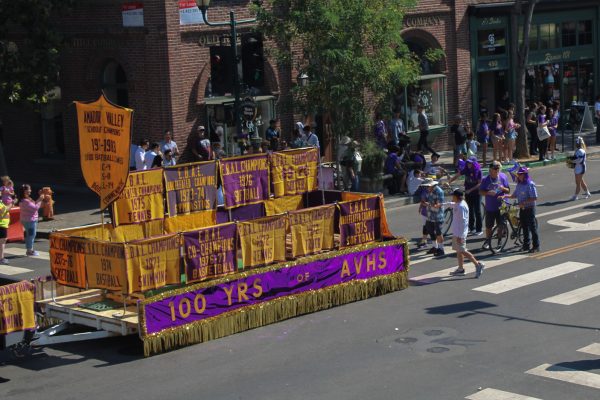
245,180
210,252
360,221
191,187
204,301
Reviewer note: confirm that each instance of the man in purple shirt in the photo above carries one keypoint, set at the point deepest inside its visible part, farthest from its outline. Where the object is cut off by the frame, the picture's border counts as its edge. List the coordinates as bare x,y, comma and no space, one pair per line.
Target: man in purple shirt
493,187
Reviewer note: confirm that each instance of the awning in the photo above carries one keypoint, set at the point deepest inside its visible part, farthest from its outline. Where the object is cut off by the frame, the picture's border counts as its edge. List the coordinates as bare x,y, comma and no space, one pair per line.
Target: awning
220,100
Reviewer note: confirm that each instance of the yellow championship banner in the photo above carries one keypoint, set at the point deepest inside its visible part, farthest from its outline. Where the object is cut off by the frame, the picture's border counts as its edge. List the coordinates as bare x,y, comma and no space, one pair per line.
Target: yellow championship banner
262,240
104,142
142,199
153,263
106,266
312,230
16,307
294,171
67,260
281,205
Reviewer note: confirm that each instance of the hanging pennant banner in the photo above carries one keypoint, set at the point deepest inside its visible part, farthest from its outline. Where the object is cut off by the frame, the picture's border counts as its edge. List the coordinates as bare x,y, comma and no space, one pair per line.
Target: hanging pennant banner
294,171
106,266
245,180
153,263
16,307
263,240
141,200
104,144
360,221
312,230
210,252
191,187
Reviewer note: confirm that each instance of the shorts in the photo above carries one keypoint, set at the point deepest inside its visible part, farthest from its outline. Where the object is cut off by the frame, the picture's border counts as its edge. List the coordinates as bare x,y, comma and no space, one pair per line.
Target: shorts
3,233
459,243
433,228
512,135
492,218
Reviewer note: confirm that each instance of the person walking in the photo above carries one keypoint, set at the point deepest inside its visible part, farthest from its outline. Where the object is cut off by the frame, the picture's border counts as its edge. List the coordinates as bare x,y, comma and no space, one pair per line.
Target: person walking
579,159
4,222
473,177
433,201
493,187
526,194
29,217
460,210
423,130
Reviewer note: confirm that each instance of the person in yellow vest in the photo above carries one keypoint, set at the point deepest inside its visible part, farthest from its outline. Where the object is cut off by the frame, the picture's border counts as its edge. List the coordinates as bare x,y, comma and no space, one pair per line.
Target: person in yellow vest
4,221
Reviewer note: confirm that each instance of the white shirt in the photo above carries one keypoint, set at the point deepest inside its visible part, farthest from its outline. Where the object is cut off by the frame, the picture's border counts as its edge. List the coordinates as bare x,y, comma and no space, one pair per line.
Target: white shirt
413,183
460,219
164,146
431,168
312,140
149,159
168,163
139,159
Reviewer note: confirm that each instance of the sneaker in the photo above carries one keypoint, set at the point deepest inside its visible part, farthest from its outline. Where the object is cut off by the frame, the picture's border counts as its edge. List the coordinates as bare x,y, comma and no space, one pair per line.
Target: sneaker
471,232
440,252
479,269
458,272
3,261
478,233
32,253
575,197
432,250
534,250
587,195
420,245
486,245
525,248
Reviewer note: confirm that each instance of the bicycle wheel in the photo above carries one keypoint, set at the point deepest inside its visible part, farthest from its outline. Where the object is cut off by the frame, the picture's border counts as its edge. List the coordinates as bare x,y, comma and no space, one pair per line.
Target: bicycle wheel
499,238
448,215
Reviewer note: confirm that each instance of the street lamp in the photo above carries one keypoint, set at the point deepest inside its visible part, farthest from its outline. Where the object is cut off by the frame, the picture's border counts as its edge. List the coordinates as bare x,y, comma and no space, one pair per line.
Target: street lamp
232,23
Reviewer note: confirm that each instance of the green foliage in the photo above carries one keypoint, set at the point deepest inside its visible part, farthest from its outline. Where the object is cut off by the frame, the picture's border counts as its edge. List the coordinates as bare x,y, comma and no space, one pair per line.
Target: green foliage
29,49
346,47
373,158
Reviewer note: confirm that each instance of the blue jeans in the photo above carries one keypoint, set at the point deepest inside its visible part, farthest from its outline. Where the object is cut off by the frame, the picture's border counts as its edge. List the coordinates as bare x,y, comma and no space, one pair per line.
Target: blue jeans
30,232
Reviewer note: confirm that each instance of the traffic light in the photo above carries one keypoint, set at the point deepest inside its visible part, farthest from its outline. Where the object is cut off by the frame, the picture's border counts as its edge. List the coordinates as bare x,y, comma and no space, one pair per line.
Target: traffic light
221,70
253,60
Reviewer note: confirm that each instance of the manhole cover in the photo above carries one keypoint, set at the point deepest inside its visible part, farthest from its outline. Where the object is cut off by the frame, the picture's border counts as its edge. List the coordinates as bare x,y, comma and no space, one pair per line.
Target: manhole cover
433,332
406,340
438,350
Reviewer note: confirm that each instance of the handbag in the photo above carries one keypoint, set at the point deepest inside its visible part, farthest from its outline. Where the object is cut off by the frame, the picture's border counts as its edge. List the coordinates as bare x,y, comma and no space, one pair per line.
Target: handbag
543,133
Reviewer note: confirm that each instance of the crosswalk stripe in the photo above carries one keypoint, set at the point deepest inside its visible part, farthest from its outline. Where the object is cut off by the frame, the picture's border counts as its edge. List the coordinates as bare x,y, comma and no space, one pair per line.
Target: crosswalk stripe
564,374
469,268
18,251
495,394
9,270
575,296
593,349
532,277
583,204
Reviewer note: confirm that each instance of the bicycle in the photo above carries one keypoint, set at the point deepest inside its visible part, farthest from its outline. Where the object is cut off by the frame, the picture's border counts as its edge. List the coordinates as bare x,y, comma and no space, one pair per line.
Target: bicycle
509,213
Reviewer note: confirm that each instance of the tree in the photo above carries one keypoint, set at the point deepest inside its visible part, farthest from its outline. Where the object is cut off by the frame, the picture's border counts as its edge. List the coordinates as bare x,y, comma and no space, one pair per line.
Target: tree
351,50
29,49
520,53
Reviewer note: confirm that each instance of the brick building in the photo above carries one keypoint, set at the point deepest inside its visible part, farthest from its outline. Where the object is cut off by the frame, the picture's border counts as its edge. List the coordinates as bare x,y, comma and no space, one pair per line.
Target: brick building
170,71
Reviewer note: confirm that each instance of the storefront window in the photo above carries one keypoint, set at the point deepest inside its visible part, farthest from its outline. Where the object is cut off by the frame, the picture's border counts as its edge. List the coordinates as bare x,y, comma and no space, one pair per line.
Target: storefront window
569,82
569,34
428,92
533,38
584,30
549,37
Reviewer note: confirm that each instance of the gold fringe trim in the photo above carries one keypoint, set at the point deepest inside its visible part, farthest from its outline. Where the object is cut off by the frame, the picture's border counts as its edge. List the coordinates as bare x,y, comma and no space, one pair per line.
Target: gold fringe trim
273,311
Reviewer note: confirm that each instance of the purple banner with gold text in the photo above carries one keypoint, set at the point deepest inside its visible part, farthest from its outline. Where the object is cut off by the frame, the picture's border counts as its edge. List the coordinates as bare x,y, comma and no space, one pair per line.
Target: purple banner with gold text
360,221
245,180
206,301
210,252
191,187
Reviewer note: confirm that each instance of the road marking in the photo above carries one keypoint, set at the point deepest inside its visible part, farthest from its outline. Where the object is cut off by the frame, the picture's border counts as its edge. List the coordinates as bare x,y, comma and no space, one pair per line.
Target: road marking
589,203
18,251
575,296
567,248
8,270
443,274
571,226
495,394
421,259
593,349
564,374
530,278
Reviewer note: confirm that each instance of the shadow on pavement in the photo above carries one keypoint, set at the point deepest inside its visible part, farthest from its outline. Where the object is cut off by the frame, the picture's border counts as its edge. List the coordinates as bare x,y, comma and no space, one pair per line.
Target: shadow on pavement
581,365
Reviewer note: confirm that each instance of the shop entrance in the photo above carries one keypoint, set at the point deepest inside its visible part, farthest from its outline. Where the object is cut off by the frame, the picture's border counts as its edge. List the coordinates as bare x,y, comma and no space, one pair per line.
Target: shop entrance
492,87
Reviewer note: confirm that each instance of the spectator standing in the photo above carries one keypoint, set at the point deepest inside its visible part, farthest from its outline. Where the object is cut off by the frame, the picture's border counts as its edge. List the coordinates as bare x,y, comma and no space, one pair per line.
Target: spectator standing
542,123
298,141
140,152
483,135
4,222
531,124
497,135
526,194
169,144
473,177
423,130
511,136
460,137
29,217
460,212
312,139
351,161
273,134
397,130
150,155
492,187
552,127
201,149
381,136
433,201
579,159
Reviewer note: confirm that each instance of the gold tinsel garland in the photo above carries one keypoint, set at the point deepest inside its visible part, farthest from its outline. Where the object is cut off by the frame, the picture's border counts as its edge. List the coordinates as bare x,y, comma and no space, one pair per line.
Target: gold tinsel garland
273,311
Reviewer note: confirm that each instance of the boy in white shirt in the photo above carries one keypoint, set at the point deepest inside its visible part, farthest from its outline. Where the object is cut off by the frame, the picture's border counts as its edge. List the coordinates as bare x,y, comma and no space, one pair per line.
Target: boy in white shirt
460,230
152,152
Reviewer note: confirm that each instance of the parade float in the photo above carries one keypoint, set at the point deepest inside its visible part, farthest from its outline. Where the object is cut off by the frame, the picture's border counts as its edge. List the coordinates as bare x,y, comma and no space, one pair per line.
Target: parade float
176,268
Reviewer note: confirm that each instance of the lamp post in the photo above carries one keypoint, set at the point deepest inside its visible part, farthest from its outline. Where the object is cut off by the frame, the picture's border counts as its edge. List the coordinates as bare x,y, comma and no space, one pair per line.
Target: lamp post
232,23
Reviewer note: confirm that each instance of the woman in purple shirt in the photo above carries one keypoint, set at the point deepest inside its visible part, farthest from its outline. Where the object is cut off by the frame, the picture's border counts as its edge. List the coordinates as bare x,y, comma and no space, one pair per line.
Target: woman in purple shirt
497,135
541,120
29,217
552,127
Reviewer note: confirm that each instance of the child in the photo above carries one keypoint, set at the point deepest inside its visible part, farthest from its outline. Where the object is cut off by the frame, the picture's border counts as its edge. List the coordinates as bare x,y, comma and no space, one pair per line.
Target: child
4,221
434,168
460,229
472,145
7,191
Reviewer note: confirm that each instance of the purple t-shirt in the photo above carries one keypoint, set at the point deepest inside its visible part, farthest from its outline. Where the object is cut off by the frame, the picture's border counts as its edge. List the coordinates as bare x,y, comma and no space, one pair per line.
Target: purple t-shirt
471,178
541,119
499,130
390,163
492,203
482,132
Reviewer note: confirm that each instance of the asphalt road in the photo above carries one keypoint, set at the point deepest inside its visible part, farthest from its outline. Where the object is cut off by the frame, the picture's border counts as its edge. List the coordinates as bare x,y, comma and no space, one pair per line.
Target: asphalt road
514,330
